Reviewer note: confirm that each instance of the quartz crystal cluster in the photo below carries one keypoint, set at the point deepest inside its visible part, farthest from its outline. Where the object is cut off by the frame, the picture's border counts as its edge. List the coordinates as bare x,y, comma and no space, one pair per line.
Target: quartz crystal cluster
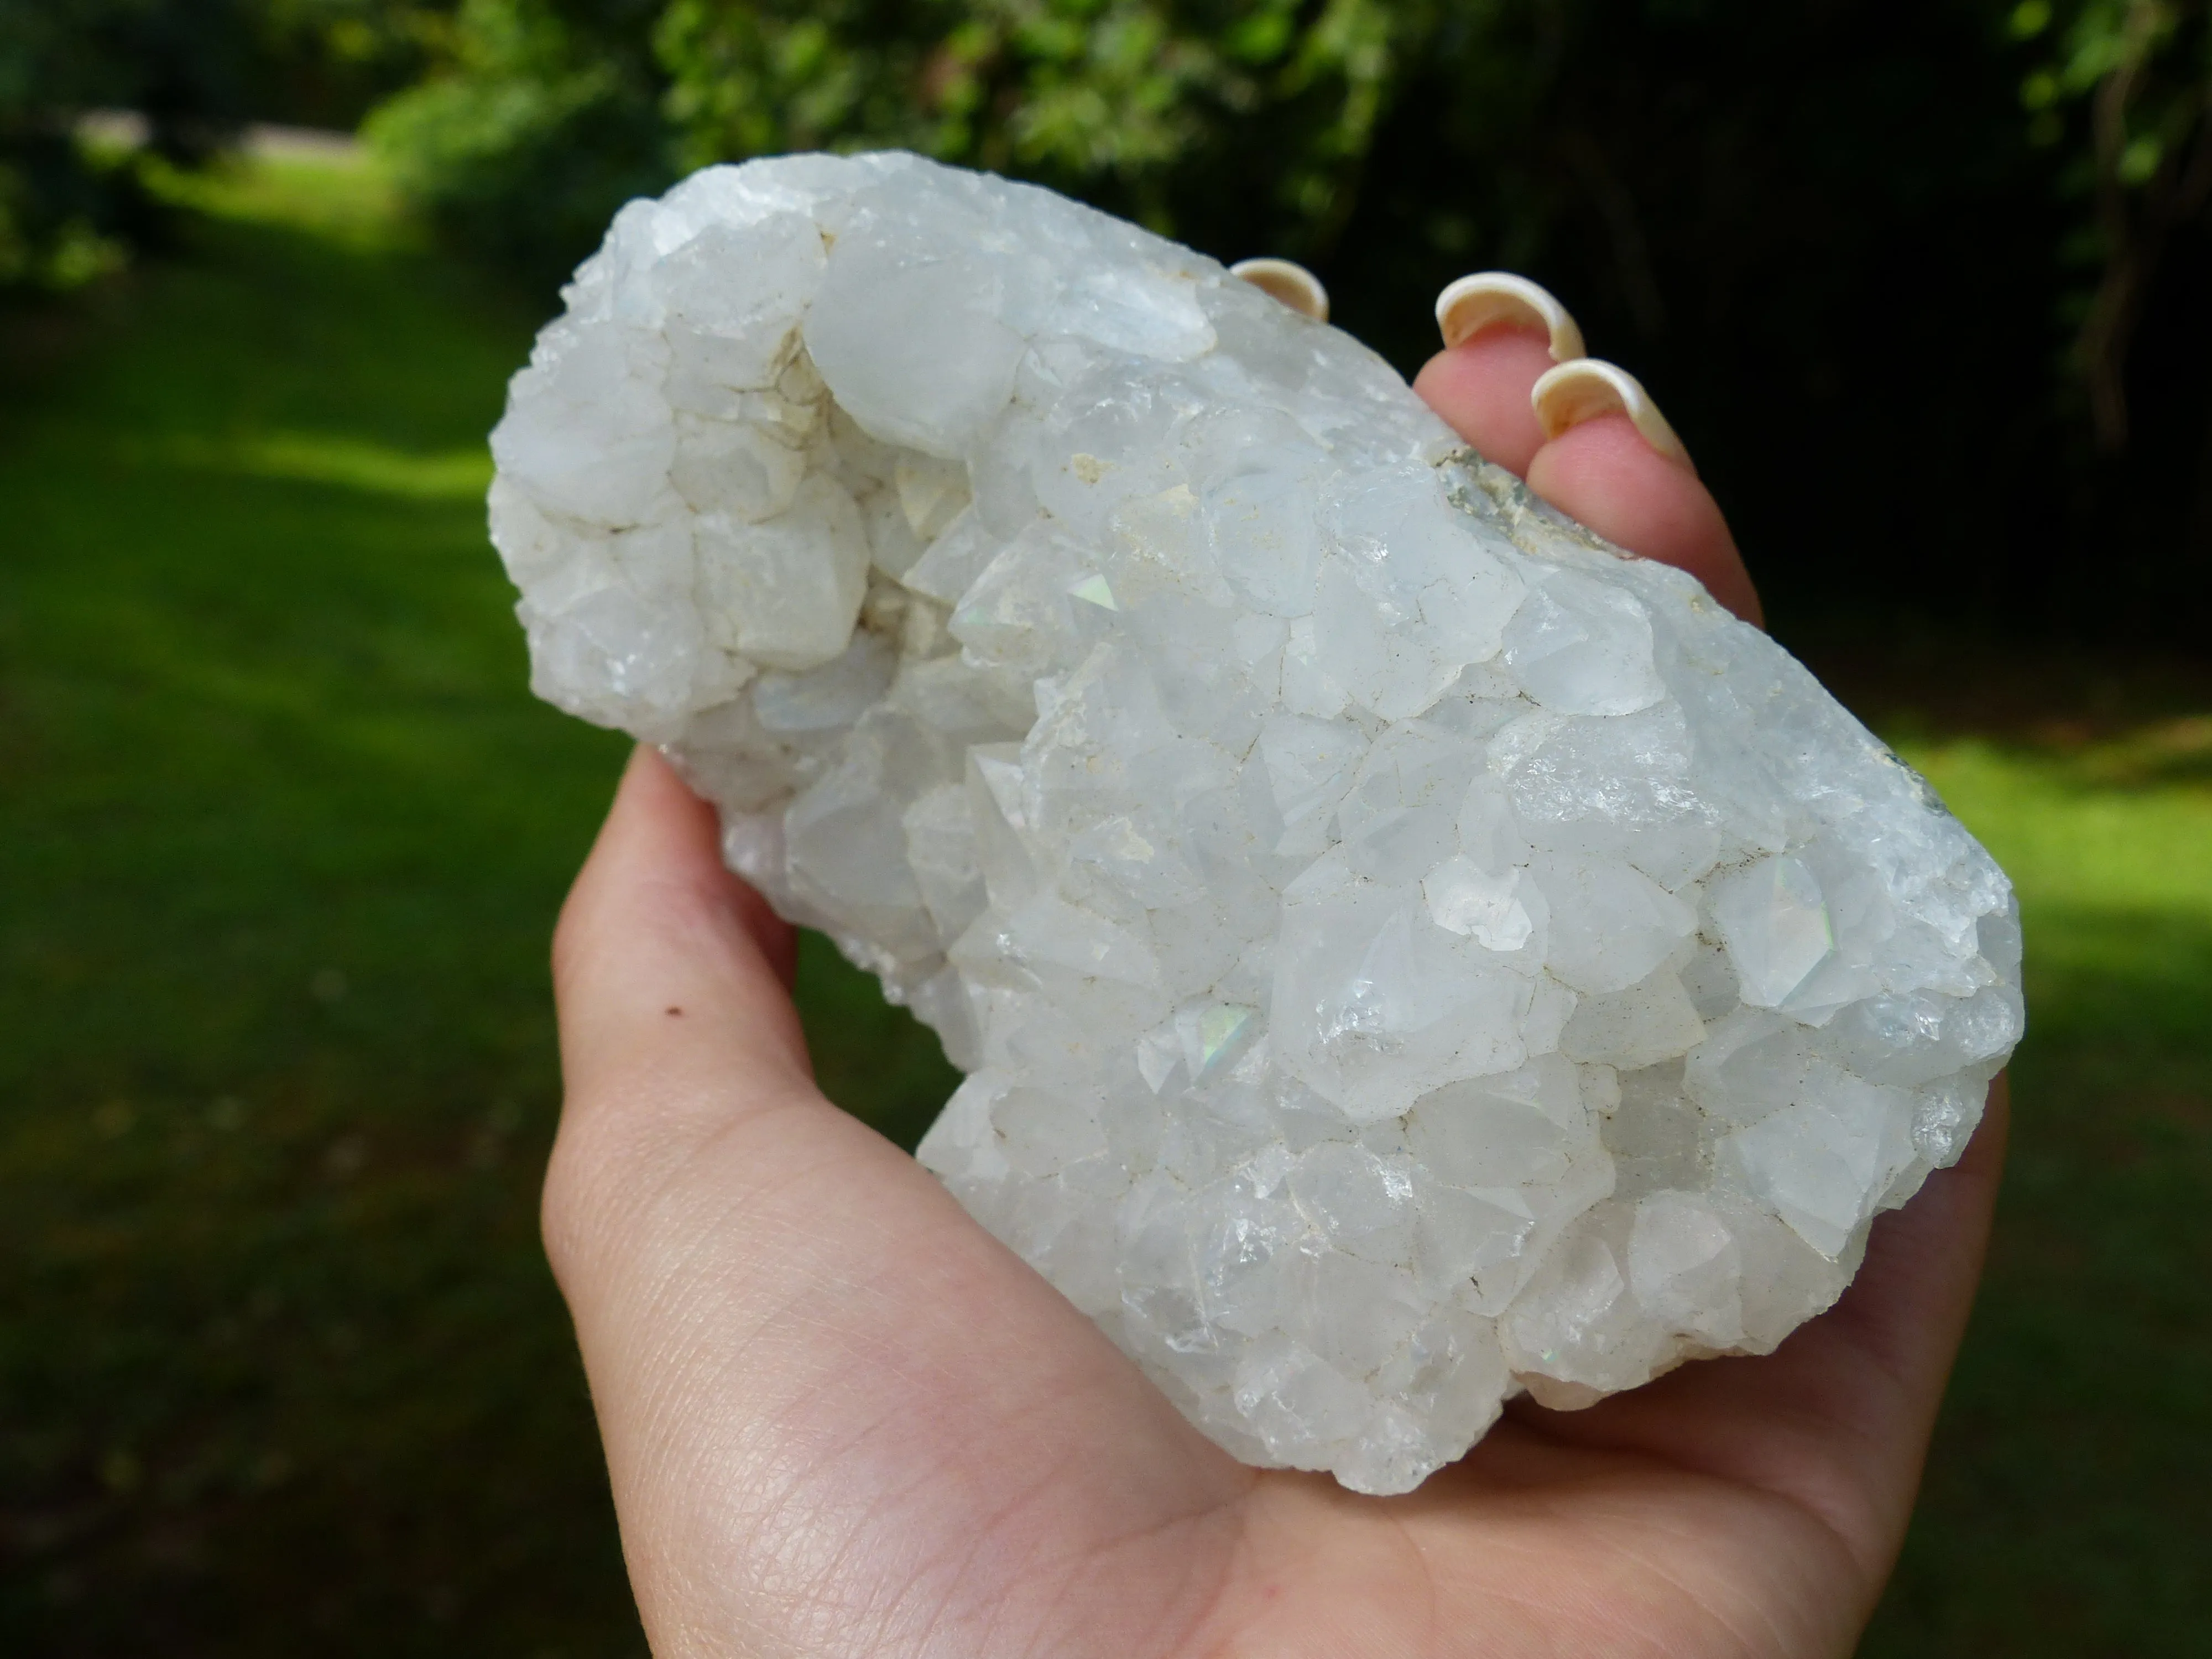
1402,951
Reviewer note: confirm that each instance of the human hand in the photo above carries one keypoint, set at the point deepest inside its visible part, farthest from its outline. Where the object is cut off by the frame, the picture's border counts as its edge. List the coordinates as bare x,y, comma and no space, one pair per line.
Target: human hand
843,1419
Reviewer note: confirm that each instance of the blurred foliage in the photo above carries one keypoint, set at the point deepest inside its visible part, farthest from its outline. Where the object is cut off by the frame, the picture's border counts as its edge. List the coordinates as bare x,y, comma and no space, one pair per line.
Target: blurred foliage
1973,233
543,119
2123,91
1147,108
1942,233
58,215
196,71
64,215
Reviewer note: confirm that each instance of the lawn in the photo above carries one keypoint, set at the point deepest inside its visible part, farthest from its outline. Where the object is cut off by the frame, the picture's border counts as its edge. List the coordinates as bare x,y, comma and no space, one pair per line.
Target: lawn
280,1368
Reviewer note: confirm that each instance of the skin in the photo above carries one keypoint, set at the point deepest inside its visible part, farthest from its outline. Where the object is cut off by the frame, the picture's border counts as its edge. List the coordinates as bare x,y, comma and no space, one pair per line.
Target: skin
842,1419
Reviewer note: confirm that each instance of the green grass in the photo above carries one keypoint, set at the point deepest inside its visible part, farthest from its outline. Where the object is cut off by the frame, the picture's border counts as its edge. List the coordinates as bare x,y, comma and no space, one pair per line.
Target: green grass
2066,1509
280,1368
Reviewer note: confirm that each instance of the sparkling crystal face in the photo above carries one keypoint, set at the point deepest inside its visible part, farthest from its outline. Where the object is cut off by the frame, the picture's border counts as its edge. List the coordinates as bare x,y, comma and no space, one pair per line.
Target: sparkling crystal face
1402,951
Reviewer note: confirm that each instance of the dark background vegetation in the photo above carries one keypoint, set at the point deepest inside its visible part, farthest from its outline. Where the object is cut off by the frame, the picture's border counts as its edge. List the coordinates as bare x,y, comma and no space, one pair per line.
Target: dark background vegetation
1957,252
281,836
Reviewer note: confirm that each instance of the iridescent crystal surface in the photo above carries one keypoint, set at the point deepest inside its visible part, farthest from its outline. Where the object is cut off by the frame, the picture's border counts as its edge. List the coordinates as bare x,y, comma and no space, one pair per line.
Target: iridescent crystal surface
1402,951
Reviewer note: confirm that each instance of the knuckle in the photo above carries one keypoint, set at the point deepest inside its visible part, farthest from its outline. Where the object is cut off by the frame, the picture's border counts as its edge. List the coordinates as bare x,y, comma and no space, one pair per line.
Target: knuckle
569,1207
569,929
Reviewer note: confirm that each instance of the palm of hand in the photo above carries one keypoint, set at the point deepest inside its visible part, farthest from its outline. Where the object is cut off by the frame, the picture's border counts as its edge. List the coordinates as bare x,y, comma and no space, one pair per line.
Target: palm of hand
842,1419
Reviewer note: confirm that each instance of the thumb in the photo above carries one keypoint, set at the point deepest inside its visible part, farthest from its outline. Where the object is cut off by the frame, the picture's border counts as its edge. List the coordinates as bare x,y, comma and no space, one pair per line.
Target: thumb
839,1416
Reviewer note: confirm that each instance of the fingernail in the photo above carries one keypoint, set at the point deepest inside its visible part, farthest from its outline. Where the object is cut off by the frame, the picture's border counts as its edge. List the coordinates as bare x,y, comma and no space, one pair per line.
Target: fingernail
1474,303
1293,284
1565,397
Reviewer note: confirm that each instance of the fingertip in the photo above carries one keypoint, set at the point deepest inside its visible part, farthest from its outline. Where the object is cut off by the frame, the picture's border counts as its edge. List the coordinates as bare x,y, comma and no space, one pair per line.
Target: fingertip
1604,474
1481,386
1572,392
657,929
1288,282
658,826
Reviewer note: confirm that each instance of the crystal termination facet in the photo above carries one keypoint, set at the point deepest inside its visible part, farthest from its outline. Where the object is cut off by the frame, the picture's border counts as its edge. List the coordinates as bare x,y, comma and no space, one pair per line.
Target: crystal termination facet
1402,950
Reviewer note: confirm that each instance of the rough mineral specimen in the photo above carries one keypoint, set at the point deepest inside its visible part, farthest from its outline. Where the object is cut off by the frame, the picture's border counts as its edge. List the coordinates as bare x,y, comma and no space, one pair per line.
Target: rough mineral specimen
1401,949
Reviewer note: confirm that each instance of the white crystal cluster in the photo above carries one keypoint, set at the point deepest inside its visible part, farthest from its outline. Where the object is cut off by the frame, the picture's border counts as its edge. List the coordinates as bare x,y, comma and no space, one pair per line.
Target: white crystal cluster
1402,950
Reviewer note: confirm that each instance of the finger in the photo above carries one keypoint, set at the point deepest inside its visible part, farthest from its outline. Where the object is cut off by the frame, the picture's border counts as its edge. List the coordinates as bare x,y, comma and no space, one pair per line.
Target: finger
661,951
1838,1419
1593,444
1501,333
1901,1322
1611,461
832,1404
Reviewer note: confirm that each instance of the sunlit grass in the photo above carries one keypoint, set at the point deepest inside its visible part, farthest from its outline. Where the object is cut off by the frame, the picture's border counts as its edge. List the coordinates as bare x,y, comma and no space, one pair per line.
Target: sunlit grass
282,1370
335,458
2104,825
2064,1512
